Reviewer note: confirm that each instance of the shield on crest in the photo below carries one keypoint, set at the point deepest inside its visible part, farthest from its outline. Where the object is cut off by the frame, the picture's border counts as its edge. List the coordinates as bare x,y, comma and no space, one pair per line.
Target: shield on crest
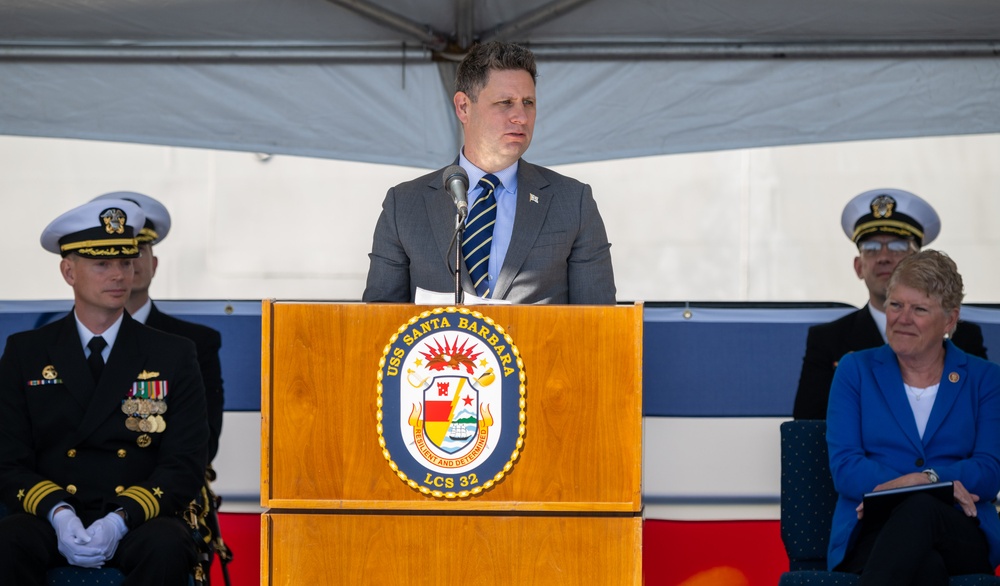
451,405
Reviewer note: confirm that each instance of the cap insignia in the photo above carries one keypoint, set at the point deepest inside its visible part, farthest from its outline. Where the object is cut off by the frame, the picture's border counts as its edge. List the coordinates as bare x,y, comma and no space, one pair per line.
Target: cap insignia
114,220
882,206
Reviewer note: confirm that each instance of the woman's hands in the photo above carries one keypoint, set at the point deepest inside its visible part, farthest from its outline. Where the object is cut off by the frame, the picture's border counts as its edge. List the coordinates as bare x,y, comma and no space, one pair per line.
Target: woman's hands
964,498
911,479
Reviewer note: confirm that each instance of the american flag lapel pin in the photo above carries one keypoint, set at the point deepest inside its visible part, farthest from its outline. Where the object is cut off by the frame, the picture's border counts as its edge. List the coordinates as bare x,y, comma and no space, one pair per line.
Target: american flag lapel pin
532,198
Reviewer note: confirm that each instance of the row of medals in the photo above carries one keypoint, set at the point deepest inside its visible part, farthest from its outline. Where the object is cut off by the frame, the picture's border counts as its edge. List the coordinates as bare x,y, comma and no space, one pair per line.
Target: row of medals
145,415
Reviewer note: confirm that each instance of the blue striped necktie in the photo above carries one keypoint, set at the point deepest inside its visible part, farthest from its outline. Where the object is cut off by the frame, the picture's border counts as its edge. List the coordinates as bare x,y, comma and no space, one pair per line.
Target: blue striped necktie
479,235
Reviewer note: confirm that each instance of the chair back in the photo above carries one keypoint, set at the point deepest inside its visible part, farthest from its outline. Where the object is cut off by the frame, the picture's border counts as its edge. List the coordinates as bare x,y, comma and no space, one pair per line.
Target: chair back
807,494
807,503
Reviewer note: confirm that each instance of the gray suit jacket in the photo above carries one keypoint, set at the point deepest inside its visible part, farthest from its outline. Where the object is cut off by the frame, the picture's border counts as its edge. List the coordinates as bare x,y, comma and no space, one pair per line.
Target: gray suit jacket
559,252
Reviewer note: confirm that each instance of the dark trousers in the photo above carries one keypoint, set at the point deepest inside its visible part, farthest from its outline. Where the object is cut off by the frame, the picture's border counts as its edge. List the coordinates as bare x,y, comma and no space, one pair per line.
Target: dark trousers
160,552
923,542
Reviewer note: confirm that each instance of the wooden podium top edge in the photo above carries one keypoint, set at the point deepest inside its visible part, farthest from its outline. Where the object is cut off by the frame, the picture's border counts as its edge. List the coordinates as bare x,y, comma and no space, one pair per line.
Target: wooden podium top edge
484,307
437,506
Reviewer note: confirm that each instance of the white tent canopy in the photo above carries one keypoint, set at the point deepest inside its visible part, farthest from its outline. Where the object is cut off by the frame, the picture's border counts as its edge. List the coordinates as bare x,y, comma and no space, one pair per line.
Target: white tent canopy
369,80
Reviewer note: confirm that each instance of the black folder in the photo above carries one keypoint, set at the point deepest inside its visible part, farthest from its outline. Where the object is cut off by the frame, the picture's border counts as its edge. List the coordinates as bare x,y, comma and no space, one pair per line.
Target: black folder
879,504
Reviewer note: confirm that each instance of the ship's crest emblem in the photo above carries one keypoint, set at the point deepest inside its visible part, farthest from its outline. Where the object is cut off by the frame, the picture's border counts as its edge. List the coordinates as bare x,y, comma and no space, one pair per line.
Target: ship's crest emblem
451,391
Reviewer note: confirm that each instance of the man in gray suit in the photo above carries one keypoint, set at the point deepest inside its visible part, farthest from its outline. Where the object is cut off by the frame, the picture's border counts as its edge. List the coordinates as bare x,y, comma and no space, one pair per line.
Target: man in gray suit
542,238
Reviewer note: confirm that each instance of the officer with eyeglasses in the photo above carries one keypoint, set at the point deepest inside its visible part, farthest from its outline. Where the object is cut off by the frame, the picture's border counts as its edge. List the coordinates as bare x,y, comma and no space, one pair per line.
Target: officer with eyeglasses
887,225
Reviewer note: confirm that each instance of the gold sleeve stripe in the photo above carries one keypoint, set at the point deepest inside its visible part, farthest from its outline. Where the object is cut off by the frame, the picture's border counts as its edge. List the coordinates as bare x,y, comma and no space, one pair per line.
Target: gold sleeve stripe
37,493
150,506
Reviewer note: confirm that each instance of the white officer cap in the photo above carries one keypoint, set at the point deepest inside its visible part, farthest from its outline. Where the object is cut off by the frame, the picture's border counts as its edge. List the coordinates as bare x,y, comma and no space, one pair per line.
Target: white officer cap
157,217
890,211
97,229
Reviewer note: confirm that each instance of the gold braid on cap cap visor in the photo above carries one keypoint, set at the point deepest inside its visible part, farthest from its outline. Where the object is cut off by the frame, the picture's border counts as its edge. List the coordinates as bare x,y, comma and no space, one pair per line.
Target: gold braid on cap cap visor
102,244
901,228
146,235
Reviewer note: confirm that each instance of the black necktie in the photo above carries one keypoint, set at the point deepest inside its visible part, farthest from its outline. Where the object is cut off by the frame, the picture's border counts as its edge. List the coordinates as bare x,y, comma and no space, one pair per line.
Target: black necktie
95,360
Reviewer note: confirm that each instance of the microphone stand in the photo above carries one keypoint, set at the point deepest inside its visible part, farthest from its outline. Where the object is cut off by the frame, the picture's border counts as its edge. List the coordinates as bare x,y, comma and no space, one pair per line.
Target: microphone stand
456,183
457,239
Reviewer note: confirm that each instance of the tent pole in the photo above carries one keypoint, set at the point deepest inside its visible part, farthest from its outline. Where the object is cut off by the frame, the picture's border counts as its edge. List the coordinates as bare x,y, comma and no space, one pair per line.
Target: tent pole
530,20
464,23
421,32
547,51
818,50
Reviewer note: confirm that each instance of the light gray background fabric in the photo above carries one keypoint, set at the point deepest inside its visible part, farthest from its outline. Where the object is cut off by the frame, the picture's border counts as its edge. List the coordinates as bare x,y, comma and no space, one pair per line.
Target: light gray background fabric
617,78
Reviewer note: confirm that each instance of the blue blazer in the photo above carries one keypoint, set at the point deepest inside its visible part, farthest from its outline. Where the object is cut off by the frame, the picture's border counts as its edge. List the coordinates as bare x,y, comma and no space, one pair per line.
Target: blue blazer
873,436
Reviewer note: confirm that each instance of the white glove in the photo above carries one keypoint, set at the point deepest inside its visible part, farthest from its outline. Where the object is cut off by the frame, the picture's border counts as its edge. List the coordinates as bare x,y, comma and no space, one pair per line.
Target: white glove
106,532
73,540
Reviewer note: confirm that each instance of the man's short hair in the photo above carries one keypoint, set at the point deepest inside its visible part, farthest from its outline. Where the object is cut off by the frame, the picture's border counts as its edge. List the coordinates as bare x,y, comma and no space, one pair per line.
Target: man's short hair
474,71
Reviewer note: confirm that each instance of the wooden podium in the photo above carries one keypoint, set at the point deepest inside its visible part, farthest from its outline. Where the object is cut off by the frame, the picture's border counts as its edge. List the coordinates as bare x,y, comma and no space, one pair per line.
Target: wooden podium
567,512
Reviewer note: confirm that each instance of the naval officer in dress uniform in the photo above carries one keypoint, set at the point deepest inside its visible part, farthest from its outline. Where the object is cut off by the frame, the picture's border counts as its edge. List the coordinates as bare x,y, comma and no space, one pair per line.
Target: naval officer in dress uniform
140,306
886,225
103,432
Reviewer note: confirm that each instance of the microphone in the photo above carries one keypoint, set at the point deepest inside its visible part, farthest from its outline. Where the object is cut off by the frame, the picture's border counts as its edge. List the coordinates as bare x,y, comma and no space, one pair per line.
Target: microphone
456,183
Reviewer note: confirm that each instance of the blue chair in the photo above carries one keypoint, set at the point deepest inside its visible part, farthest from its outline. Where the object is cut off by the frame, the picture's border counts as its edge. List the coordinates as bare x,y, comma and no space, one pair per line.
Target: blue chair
73,576
807,502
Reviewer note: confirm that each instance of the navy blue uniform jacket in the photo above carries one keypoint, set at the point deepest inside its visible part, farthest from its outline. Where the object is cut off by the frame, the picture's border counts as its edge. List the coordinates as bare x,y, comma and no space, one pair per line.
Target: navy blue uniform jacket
65,439
207,341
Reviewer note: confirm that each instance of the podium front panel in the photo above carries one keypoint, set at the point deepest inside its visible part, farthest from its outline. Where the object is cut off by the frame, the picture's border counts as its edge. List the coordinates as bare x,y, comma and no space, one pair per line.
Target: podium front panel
323,548
583,443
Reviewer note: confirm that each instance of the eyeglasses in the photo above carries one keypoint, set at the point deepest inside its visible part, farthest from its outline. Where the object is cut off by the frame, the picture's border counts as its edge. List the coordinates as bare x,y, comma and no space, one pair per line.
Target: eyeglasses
895,247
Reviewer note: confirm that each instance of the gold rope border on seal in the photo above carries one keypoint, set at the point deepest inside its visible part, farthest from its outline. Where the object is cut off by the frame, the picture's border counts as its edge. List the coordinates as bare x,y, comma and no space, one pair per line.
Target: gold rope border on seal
522,403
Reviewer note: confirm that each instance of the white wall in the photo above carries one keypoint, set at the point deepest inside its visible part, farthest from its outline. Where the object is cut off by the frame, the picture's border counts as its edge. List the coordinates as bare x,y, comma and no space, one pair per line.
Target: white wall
761,224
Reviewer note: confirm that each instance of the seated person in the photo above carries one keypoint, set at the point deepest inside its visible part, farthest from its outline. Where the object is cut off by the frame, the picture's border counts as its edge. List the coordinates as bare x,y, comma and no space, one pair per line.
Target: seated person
103,434
142,309
916,411
886,225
